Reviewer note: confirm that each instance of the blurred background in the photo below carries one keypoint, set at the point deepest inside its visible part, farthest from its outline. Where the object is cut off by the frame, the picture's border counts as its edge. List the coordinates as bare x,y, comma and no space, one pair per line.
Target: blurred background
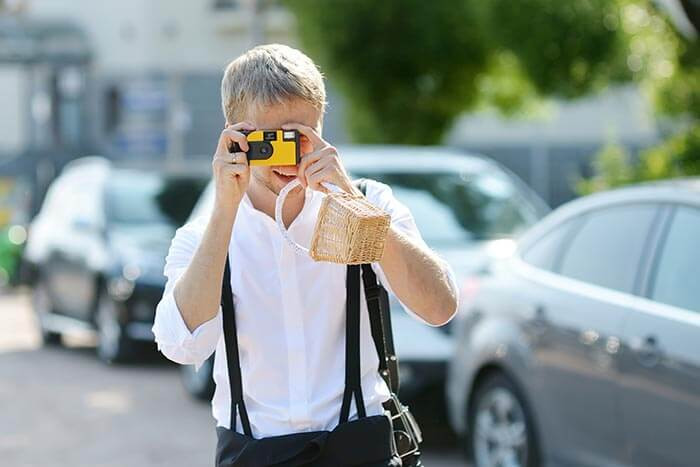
547,149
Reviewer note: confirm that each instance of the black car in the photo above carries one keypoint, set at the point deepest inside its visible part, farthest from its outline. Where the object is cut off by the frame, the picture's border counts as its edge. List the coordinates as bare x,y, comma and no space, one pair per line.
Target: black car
583,349
96,249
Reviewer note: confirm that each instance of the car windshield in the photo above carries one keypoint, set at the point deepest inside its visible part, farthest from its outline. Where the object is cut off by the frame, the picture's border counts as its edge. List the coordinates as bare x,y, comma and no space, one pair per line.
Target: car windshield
452,207
138,198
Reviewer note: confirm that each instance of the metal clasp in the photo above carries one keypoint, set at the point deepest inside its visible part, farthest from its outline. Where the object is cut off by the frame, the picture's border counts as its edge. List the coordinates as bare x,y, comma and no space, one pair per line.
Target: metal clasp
399,413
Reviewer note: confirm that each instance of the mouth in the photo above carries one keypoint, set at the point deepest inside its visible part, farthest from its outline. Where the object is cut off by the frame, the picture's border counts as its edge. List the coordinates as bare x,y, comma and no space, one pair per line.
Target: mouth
285,176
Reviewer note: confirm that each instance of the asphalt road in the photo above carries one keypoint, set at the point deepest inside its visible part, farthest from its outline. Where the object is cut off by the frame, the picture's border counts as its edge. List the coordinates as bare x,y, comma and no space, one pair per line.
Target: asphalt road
60,406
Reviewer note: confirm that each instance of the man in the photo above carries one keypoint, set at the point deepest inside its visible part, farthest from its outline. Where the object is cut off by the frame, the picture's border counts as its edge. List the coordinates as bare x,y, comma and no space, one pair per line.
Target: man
289,309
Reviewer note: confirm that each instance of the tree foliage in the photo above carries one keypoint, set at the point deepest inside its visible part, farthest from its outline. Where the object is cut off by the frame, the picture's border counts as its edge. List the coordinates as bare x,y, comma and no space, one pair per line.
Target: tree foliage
409,68
667,66
612,167
567,49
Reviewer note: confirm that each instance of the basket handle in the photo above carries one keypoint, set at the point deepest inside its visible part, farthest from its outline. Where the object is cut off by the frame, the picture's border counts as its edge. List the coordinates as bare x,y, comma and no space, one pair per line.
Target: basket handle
278,213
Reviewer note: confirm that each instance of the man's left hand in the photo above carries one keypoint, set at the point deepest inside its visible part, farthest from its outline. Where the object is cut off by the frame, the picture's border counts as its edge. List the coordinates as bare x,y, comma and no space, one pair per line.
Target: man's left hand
322,164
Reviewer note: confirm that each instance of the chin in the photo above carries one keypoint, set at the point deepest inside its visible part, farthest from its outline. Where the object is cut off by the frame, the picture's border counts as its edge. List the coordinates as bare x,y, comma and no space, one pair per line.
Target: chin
281,178
275,181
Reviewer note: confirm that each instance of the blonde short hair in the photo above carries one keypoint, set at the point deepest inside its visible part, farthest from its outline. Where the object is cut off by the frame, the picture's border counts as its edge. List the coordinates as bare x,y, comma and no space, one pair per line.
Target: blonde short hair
267,75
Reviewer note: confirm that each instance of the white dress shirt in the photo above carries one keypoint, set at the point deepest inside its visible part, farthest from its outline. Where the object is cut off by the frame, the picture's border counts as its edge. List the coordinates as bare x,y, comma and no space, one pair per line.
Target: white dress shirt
290,315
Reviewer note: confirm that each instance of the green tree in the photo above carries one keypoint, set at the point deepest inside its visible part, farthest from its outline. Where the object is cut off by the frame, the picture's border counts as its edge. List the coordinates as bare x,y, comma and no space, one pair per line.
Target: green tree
406,67
612,167
667,65
409,68
566,49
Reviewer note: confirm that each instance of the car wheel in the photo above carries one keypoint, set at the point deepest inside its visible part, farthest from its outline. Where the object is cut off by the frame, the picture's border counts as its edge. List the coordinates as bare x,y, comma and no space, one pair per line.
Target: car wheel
199,384
113,346
43,309
500,427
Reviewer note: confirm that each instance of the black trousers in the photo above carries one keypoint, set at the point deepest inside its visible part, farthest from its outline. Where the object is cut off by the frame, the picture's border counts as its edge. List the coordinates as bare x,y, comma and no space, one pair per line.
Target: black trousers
363,442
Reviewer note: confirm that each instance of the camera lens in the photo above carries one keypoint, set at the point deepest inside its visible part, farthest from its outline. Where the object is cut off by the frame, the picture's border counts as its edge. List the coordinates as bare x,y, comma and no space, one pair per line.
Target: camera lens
265,149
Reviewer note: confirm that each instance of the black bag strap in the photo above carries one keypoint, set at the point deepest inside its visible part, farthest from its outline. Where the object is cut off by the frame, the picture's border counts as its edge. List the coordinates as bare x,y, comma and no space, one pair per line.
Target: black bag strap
232,357
380,323
380,319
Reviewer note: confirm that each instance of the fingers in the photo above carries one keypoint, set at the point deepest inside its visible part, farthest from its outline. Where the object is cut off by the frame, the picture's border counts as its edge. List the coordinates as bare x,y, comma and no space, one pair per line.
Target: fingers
236,163
235,169
233,157
325,155
233,172
245,125
231,135
314,138
306,161
324,174
315,165
325,169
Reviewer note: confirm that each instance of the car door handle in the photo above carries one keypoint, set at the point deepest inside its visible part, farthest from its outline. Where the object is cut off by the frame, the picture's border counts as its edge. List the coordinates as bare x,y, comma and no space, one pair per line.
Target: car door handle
647,350
539,320
539,314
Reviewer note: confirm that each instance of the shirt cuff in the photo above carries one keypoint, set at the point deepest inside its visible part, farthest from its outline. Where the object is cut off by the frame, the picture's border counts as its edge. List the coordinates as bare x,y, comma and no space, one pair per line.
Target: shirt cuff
174,338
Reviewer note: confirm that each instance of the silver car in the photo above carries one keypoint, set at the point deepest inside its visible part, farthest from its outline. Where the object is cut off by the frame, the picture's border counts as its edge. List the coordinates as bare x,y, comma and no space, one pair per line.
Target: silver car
584,347
466,207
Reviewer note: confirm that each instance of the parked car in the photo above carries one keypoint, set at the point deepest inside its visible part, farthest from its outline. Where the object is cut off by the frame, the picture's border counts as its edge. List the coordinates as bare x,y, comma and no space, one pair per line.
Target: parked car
584,347
97,247
466,207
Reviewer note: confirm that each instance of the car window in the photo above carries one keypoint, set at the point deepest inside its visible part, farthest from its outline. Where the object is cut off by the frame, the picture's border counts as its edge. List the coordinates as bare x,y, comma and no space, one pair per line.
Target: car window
453,207
678,269
134,197
545,251
608,247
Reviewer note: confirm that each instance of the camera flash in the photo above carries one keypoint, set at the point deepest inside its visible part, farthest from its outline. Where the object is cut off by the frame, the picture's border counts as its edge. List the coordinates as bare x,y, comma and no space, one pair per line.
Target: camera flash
288,135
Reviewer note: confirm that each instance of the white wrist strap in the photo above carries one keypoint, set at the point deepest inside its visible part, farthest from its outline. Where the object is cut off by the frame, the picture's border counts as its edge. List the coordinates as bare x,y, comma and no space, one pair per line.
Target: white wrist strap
278,213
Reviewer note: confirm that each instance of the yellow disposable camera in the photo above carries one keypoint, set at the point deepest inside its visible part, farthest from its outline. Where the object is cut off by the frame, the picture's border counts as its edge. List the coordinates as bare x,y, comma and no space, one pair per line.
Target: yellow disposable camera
271,147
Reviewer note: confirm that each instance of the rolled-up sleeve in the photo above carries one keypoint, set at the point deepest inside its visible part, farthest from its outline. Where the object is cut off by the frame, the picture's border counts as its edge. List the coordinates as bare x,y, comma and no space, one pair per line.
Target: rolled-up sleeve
402,220
172,336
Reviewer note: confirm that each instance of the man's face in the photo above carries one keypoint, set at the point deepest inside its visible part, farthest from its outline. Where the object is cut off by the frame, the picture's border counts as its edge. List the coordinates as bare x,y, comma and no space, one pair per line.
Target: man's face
274,178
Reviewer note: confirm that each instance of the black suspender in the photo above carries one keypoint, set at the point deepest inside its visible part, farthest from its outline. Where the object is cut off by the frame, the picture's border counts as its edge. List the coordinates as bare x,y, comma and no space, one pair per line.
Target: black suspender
353,387
352,346
232,357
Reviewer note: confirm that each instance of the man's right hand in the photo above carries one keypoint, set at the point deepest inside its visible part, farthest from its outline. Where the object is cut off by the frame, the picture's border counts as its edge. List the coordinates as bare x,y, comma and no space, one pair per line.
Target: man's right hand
230,170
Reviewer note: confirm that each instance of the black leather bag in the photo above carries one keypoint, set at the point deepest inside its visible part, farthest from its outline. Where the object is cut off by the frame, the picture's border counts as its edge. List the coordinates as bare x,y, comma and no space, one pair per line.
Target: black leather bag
361,442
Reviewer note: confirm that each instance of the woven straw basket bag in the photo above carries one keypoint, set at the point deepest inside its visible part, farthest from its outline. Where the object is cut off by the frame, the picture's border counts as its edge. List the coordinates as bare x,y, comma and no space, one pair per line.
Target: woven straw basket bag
349,229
